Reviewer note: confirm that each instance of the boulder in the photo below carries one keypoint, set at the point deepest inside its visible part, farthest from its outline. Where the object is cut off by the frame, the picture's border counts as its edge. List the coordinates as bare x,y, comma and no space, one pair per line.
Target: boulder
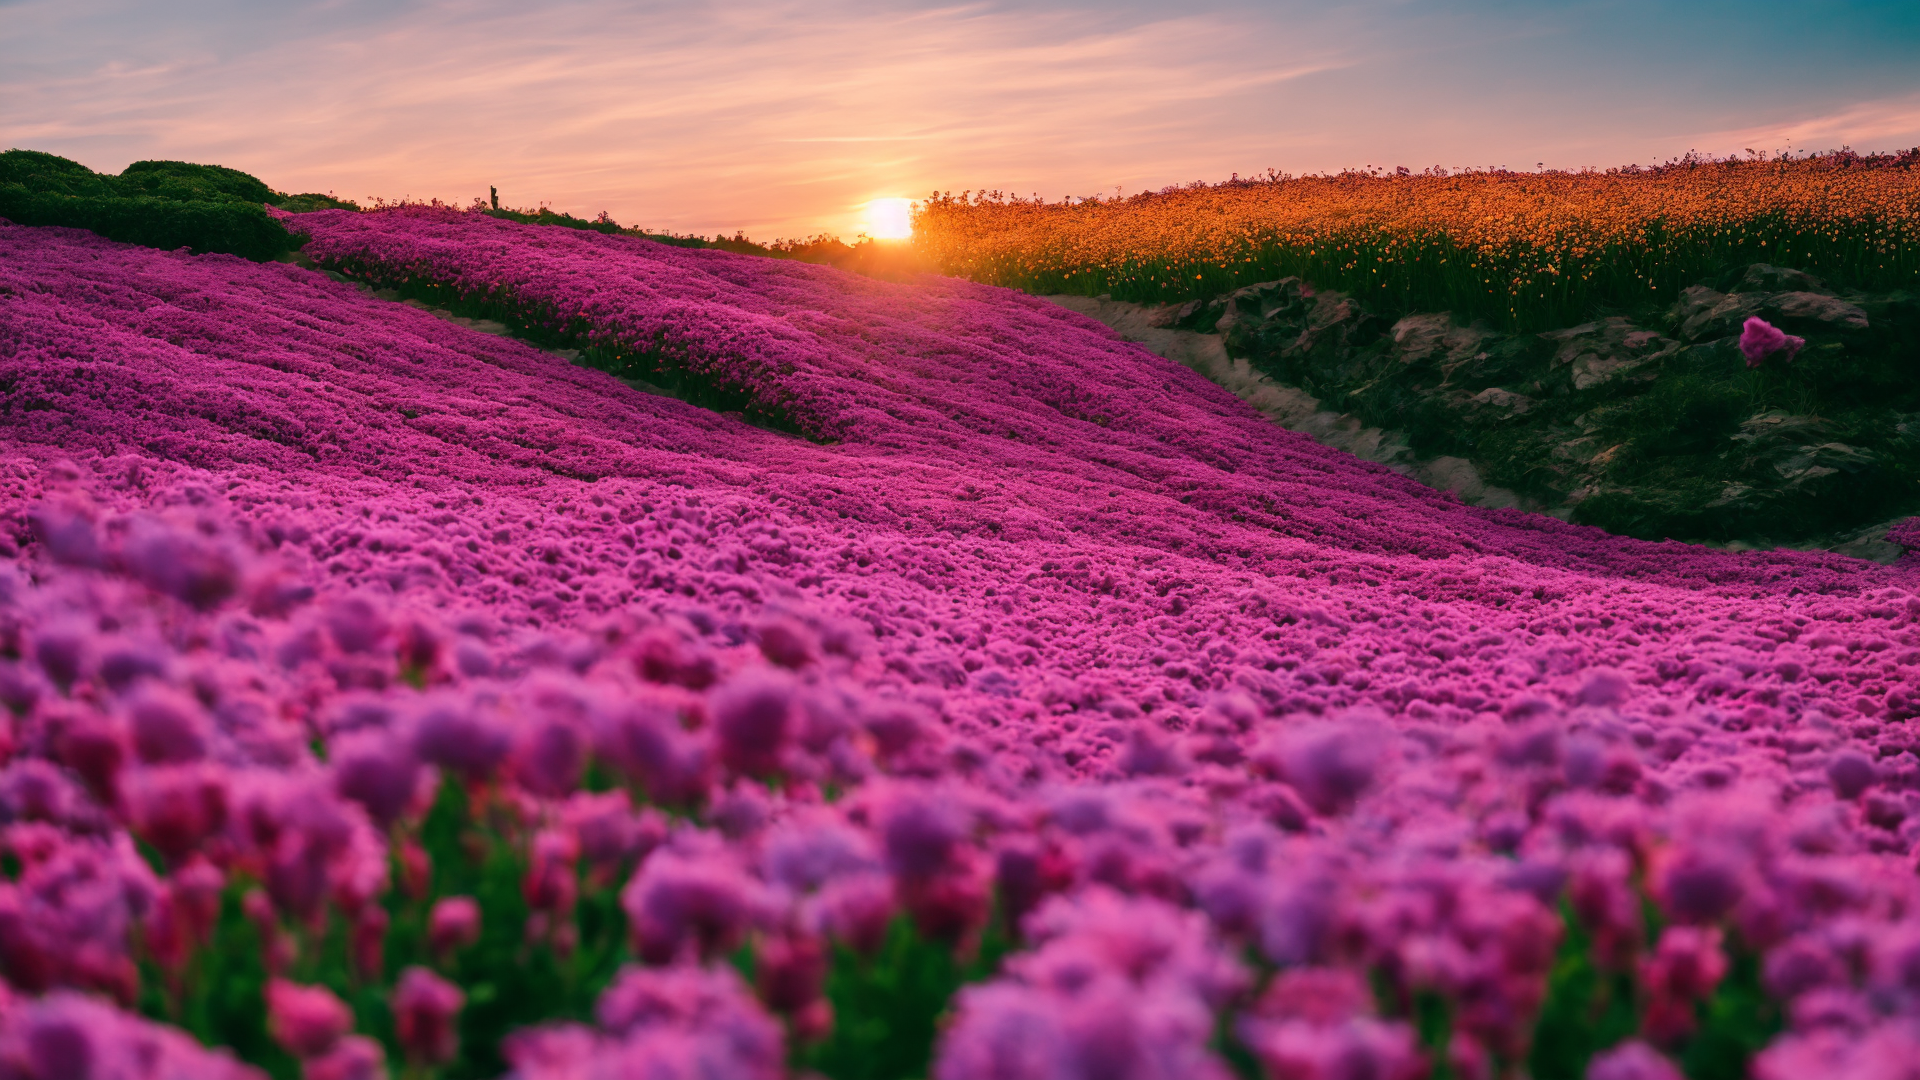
1596,353
1433,335
1819,307
1766,278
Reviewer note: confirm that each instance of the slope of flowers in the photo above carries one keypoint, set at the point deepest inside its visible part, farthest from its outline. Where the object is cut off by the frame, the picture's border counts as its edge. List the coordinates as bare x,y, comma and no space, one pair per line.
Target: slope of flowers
1535,251
366,661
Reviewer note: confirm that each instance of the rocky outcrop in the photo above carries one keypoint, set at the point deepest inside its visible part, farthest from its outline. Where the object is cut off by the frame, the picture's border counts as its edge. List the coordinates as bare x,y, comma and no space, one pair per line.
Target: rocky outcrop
1648,423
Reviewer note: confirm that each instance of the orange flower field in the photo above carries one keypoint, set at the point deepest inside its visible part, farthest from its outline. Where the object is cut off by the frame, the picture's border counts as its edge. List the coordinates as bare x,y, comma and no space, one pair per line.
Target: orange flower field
1519,249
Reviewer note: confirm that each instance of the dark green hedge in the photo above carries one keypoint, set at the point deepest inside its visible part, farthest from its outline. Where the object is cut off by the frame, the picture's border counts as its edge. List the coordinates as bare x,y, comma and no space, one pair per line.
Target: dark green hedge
163,204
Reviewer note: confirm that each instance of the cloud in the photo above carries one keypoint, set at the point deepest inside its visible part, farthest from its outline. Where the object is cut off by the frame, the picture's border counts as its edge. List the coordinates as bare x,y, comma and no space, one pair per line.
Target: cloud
1882,124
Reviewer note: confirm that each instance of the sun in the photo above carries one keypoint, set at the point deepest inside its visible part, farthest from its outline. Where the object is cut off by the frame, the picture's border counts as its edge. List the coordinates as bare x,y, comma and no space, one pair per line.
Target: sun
889,219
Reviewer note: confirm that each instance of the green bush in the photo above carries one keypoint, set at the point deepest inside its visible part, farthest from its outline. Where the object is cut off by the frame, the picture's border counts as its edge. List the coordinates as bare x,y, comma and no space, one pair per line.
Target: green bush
163,204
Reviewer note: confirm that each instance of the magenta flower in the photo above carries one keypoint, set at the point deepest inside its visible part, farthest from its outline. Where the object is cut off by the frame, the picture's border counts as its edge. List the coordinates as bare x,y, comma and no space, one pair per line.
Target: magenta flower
376,770
425,1007
1633,1060
682,904
1760,340
305,1020
453,924
355,1057
752,716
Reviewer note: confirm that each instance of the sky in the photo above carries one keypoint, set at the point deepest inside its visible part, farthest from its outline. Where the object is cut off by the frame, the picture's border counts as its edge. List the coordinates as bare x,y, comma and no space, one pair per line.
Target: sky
786,119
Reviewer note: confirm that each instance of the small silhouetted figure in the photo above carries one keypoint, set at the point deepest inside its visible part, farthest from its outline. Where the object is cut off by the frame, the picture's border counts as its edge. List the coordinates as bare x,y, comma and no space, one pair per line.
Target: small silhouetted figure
494,194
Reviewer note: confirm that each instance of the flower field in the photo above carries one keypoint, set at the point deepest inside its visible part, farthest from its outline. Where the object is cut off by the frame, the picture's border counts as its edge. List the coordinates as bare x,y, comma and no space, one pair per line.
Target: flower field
1532,251
935,686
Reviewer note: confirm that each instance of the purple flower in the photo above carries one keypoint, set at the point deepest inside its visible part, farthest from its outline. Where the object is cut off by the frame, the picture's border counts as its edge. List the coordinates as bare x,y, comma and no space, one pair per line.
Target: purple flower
453,924
167,727
787,643
551,754
752,716
1632,1060
689,904
187,565
305,1020
644,739
459,734
1850,772
355,1057
424,1007
357,625
1331,764
1760,339
68,533
175,807
921,829
378,771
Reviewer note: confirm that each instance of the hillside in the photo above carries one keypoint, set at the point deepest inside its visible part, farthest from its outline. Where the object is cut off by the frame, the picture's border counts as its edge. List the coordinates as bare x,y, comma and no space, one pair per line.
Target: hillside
956,659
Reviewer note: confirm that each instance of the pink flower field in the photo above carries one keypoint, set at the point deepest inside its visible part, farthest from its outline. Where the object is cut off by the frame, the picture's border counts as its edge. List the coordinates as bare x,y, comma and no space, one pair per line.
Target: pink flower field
967,694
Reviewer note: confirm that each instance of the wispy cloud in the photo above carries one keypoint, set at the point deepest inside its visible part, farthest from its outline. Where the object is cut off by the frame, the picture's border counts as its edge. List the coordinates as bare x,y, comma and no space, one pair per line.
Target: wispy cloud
1881,124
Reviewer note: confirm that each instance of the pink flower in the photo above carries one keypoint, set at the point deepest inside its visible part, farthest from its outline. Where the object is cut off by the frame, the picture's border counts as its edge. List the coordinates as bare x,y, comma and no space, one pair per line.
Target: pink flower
306,1020
1632,1060
698,904
425,1007
1760,339
376,770
454,924
752,716
355,1057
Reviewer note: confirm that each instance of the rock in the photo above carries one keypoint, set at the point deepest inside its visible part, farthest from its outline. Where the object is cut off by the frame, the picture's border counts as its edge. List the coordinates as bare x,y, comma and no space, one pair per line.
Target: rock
1723,318
1419,337
1762,277
1821,308
1503,403
1182,316
1774,293
1776,426
1599,352
1458,475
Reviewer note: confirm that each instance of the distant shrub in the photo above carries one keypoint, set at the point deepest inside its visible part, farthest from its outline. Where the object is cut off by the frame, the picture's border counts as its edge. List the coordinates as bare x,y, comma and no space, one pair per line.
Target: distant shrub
163,204
184,181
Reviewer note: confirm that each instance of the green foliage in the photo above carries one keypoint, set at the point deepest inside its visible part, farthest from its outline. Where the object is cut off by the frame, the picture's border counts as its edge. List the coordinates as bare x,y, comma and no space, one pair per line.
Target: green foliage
509,981
1587,1009
222,998
1675,436
311,201
163,204
888,1008
1734,1025
184,181
544,216
51,174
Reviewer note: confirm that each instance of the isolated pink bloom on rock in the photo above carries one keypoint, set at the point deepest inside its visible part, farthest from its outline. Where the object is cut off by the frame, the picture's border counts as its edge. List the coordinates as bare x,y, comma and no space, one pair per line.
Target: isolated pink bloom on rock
1760,339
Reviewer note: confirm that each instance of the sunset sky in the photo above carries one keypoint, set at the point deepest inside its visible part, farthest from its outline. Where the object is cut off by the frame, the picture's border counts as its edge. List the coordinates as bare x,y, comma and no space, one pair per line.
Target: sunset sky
785,119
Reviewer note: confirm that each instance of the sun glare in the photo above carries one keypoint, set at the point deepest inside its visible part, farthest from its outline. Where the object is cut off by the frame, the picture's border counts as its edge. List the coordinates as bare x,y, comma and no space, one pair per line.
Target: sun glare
890,219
